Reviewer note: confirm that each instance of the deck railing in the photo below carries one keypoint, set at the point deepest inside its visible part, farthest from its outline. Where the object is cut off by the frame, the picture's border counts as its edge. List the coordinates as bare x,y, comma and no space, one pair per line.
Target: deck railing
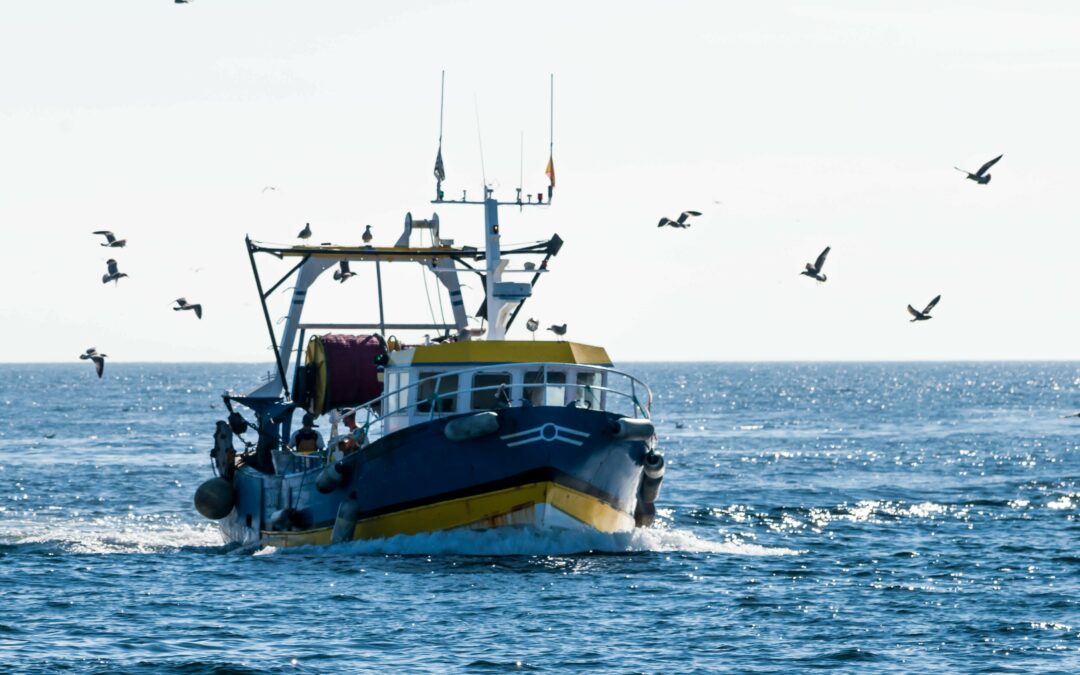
633,397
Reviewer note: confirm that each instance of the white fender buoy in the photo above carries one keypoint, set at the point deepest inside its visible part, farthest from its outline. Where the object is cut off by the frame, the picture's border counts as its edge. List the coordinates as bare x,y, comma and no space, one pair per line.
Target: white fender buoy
472,426
330,478
215,498
633,429
347,514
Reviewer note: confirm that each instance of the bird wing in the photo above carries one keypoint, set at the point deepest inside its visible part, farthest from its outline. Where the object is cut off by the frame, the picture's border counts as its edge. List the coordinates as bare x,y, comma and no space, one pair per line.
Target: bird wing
686,214
181,301
108,235
821,259
931,305
99,364
914,312
665,221
198,310
986,167
112,266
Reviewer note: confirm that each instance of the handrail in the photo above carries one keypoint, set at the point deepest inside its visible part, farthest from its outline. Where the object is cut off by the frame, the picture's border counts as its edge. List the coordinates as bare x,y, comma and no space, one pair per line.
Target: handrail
634,382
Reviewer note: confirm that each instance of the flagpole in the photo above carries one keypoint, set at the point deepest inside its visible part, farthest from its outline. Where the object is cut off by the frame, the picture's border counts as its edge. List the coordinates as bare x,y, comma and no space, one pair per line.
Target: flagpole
551,118
551,135
439,171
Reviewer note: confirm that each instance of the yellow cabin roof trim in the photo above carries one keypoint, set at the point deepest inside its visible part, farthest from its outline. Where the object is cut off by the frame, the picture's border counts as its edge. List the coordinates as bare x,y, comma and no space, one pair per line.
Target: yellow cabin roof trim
505,351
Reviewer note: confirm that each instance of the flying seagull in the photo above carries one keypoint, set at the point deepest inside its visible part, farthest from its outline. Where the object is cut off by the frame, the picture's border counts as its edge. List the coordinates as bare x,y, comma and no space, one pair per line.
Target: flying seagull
681,222
343,274
306,232
980,176
367,235
114,274
110,240
98,359
269,187
925,314
558,330
183,304
813,270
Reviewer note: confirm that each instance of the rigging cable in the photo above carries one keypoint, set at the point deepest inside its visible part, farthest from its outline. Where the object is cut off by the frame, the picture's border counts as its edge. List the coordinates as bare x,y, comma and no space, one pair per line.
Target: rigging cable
438,294
423,272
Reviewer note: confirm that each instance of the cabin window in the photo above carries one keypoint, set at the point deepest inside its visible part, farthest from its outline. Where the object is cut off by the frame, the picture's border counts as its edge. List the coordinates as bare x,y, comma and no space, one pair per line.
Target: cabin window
490,390
441,391
553,392
587,395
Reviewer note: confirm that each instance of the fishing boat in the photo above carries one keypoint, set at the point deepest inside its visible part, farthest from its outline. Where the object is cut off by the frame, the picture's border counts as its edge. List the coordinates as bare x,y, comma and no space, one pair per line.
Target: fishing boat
469,429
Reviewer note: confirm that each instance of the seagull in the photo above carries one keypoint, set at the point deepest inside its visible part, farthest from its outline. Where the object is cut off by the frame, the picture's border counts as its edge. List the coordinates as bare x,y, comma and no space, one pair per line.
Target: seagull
367,235
980,176
181,2
306,232
184,304
343,274
98,359
813,269
50,435
1075,414
110,240
558,330
925,314
681,222
114,274
269,187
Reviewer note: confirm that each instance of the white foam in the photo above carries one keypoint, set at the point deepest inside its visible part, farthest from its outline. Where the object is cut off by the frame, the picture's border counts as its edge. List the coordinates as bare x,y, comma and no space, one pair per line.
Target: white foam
135,534
509,541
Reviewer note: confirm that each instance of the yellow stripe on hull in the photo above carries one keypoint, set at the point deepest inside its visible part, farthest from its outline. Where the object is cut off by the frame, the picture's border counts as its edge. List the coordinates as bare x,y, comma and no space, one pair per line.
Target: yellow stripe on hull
512,506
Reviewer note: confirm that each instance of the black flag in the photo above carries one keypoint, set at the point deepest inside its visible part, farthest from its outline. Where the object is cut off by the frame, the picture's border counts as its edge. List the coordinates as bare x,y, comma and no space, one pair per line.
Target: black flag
440,172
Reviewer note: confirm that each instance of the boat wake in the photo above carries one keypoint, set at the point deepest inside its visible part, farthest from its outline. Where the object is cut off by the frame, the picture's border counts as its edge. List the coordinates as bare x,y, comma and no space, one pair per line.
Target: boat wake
530,541
113,535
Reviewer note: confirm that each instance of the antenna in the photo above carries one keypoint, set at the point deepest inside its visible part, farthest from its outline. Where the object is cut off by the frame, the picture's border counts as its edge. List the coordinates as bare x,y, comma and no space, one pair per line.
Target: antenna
521,169
480,141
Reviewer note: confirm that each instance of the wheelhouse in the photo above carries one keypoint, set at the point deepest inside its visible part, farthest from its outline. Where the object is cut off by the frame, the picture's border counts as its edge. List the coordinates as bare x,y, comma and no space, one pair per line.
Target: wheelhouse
429,382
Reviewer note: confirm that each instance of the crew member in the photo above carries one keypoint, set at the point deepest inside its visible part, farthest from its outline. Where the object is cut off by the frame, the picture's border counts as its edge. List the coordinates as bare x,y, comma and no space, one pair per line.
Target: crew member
349,443
307,439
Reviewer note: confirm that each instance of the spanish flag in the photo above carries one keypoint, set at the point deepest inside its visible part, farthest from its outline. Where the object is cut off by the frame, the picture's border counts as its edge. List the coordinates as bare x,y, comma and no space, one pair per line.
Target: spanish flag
550,171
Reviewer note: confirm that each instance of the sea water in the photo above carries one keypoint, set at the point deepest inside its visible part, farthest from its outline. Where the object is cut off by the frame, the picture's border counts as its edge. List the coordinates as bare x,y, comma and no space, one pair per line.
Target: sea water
844,517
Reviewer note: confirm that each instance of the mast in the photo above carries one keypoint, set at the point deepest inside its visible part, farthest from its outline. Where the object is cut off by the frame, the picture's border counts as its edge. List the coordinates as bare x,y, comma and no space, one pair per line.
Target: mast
502,298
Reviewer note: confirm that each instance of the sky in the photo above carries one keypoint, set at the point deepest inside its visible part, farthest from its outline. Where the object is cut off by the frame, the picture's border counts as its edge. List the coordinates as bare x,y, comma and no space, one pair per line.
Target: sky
791,126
